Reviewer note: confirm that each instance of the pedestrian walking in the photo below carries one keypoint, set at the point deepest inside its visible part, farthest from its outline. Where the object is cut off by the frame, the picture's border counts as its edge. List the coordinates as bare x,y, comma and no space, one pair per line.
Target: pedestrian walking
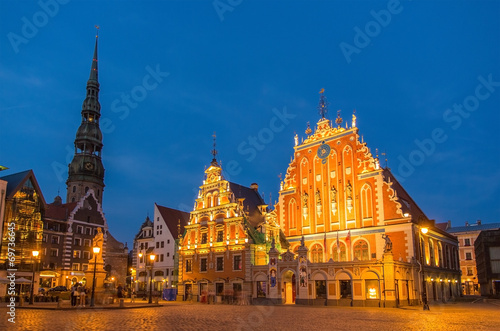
132,295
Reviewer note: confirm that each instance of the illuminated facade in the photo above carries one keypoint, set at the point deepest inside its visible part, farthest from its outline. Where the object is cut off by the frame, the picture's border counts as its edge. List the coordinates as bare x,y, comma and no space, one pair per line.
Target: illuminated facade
23,206
230,230
353,229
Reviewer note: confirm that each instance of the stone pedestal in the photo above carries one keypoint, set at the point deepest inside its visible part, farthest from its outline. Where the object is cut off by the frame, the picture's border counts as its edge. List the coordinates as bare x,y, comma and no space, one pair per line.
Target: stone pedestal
389,280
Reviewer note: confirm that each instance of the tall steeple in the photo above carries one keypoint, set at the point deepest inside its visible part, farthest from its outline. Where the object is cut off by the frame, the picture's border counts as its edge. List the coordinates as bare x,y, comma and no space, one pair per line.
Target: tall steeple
86,170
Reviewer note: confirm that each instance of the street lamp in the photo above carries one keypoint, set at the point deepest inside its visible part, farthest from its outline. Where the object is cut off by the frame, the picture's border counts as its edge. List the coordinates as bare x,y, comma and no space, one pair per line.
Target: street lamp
35,255
96,251
152,258
424,230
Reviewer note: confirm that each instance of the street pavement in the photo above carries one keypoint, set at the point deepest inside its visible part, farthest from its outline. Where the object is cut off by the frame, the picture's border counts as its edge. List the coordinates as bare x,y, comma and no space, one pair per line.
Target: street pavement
478,315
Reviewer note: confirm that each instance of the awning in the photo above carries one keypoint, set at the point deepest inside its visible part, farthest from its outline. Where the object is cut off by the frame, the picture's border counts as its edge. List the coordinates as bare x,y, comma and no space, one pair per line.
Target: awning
20,280
48,274
77,273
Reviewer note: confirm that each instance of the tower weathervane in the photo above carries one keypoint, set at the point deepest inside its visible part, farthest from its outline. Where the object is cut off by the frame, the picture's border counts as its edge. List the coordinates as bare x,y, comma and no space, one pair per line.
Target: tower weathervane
214,151
323,104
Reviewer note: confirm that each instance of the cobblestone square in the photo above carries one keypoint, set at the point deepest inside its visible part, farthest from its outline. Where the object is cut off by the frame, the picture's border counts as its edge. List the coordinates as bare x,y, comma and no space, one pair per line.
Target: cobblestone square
482,315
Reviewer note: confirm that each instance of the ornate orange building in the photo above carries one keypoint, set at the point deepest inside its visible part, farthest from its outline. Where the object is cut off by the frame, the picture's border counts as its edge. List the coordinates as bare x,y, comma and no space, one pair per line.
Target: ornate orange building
229,231
353,228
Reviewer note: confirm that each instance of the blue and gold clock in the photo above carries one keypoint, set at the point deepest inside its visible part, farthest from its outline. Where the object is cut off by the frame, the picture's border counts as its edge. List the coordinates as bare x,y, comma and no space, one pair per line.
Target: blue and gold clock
323,152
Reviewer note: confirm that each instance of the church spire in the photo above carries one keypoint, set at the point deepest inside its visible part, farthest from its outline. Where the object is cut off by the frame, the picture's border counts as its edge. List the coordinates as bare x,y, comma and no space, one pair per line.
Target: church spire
86,170
93,70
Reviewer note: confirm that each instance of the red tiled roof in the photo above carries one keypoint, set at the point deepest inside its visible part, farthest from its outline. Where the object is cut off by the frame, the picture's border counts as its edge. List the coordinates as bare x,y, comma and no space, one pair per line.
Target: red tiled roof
59,212
172,217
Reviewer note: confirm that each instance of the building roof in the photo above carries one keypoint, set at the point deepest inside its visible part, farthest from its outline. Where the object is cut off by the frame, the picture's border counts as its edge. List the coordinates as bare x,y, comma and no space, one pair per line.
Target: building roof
59,212
252,196
147,223
15,181
172,217
474,227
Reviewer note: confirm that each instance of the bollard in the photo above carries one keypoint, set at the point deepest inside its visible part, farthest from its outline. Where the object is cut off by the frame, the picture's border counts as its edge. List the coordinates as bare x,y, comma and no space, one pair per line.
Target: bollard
156,300
21,301
59,303
121,303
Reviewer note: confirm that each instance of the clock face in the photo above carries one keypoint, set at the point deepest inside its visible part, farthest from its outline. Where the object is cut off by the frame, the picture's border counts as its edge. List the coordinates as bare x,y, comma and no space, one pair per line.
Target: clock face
89,166
323,152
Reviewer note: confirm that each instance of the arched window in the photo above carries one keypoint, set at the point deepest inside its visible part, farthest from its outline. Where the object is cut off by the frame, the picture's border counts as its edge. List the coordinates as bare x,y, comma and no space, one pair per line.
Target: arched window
339,255
439,262
361,250
317,253
209,201
292,213
366,201
431,253
74,189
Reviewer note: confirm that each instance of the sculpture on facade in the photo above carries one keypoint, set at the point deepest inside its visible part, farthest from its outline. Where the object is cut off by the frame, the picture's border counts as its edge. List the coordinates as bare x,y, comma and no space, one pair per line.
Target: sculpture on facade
388,243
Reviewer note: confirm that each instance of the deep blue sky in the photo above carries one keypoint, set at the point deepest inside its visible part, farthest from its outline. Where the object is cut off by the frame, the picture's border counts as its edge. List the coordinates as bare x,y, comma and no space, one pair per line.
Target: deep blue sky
228,72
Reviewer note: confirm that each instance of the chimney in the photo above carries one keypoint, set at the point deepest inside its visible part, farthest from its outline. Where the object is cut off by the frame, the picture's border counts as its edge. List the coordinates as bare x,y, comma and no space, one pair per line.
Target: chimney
254,186
478,222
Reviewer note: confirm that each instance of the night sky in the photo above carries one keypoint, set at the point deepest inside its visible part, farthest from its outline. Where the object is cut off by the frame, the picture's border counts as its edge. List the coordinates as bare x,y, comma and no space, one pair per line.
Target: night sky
423,76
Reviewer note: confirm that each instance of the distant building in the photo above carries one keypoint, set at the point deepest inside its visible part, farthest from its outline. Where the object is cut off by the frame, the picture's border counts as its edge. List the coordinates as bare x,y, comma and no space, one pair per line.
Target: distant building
487,246
158,237
466,238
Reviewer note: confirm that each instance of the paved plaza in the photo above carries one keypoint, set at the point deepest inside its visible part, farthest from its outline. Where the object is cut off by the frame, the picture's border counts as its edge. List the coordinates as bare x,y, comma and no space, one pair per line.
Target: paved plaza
481,315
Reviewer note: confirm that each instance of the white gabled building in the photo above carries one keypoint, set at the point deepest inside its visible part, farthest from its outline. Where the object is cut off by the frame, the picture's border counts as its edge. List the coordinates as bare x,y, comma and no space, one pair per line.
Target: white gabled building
158,237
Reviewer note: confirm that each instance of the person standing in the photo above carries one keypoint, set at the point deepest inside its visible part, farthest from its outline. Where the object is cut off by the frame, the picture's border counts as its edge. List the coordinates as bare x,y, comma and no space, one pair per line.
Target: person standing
73,295
83,294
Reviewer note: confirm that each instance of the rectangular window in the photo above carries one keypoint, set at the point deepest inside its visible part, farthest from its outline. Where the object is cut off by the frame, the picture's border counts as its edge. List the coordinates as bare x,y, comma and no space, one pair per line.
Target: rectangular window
168,254
76,254
220,236
237,262
76,267
86,255
78,241
86,242
189,265
54,252
203,264
168,241
468,256
55,239
87,231
469,271
467,242
204,237
79,229
85,267
146,245
162,244
161,257
220,263
157,244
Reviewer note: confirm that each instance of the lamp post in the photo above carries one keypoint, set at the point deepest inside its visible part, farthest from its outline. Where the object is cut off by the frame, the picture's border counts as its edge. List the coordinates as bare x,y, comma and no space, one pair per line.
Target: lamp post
152,258
96,251
424,230
35,255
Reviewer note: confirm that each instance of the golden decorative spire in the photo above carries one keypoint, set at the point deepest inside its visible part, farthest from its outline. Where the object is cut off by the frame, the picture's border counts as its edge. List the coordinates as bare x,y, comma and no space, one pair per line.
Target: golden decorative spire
339,119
